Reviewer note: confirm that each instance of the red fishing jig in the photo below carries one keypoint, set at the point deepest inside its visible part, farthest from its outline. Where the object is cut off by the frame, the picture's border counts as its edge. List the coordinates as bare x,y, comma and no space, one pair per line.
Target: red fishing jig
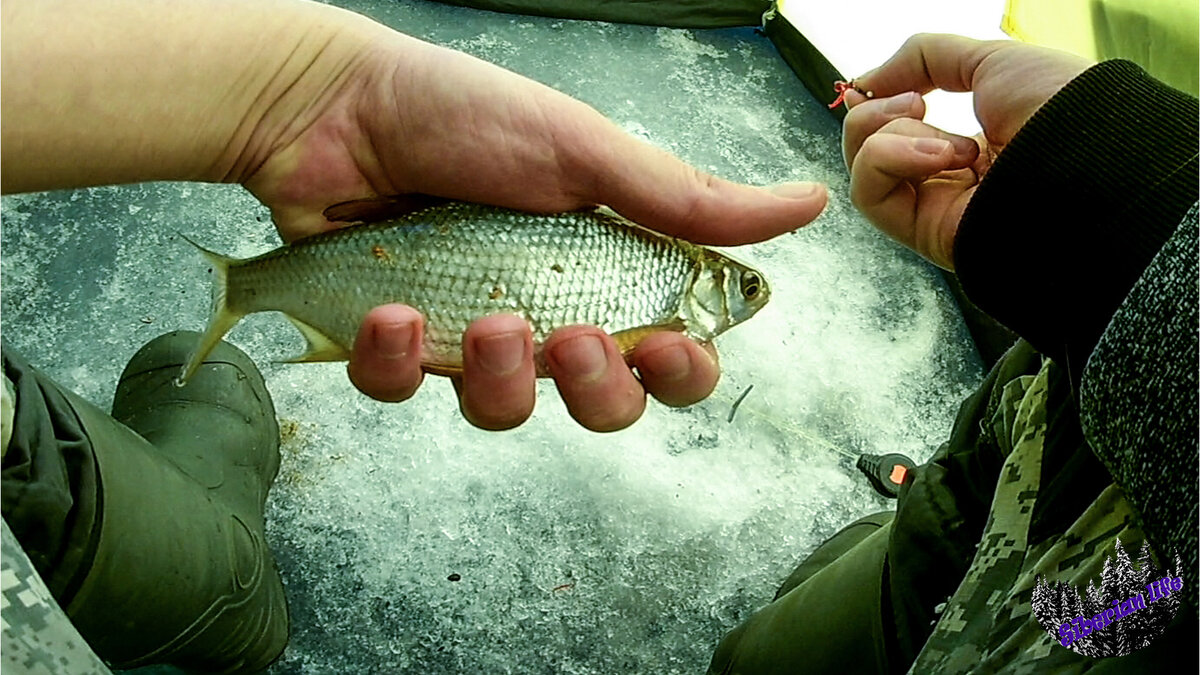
841,88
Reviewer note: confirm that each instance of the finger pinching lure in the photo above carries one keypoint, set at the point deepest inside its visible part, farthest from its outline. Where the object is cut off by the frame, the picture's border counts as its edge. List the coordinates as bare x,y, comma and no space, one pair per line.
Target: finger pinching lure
840,88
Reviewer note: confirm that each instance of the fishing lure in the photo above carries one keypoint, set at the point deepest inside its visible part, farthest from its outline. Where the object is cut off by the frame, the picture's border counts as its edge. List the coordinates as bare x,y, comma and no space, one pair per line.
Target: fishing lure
841,87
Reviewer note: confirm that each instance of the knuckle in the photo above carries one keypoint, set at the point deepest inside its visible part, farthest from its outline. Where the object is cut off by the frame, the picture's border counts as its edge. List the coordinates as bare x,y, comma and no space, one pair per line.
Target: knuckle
917,41
605,423
897,126
867,153
386,389
676,399
612,416
497,421
496,406
392,394
696,202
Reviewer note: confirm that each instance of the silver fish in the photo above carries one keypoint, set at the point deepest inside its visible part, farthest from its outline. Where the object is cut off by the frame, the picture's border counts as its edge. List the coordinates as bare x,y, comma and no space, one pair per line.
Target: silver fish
457,262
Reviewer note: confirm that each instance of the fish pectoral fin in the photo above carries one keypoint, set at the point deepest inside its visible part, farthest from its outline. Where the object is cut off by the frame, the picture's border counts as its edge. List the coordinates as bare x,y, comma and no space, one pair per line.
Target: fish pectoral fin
629,339
375,209
444,369
320,346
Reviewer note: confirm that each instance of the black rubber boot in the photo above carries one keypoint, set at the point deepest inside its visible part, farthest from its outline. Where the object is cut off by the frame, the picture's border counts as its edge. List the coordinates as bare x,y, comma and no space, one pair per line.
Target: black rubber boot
181,572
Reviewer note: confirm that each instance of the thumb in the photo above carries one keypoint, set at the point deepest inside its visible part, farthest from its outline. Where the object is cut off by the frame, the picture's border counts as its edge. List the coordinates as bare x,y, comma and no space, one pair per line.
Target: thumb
297,222
652,187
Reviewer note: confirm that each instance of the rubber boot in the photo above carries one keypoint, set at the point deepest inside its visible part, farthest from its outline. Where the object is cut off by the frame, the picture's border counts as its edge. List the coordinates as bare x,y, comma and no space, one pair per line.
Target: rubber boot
833,548
826,618
181,573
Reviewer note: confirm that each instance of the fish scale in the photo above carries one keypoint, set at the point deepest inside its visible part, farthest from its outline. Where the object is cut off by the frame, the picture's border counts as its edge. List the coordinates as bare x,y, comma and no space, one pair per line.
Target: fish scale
457,262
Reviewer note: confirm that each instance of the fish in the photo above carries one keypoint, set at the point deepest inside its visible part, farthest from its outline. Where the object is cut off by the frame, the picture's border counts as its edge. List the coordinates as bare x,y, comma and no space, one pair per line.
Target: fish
458,261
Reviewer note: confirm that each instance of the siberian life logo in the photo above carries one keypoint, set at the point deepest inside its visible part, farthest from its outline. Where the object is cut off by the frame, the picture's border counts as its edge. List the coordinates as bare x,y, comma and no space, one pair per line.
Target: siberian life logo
1127,611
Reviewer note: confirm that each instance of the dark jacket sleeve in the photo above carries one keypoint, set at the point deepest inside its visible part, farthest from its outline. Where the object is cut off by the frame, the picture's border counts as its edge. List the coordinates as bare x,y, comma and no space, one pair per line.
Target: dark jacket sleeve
1075,207
1140,402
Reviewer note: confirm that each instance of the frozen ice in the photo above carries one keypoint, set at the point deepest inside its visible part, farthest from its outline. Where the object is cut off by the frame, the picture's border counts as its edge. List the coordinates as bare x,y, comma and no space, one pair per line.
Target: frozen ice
574,552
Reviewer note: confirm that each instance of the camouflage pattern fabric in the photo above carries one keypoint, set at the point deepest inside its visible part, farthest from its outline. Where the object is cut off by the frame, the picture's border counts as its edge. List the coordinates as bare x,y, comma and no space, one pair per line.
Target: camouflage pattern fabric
38,638
988,624
8,408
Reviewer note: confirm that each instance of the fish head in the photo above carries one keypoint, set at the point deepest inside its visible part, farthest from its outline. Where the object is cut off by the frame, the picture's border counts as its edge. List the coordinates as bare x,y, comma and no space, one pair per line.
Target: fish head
746,291
723,293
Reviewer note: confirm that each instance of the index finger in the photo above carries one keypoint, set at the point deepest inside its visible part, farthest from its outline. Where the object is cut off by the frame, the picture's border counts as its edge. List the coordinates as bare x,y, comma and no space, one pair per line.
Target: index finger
925,62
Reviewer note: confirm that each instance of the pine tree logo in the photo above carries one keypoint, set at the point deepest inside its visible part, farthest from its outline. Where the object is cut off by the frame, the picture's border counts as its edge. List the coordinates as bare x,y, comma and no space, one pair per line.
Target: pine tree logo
1130,608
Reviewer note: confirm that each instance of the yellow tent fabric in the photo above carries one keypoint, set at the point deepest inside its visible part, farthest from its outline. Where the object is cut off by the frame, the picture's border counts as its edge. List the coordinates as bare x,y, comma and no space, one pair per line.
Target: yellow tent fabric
1162,36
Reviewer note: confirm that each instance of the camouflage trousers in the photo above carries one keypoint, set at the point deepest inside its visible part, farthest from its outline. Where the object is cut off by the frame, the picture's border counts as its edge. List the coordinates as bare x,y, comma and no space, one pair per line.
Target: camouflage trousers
946,587
988,624
38,638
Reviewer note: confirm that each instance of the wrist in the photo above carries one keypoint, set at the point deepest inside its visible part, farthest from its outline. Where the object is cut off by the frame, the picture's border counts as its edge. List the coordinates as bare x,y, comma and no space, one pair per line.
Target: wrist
1077,204
322,61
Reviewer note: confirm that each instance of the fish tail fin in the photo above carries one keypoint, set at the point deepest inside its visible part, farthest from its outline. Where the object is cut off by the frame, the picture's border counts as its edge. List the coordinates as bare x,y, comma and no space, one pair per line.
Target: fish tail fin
219,321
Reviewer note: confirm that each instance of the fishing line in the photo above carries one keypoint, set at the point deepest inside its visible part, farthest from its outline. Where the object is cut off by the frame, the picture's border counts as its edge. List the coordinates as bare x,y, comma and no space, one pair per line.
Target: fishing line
781,425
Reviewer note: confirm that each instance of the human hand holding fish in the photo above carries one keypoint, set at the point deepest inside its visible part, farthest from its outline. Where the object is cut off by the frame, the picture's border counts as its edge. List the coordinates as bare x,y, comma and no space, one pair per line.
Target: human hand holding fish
448,124
308,105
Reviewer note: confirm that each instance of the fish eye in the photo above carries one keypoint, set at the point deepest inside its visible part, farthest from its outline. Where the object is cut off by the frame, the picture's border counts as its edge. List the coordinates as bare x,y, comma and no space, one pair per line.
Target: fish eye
751,285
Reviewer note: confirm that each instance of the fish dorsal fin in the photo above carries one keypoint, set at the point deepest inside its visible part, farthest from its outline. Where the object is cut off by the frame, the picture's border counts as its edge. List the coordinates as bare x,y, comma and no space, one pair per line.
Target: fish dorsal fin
375,209
320,346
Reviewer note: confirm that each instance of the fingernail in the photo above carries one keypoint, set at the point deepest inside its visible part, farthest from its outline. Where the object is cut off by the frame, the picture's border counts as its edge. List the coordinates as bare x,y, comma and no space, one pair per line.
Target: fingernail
899,103
930,146
391,340
963,146
501,354
582,357
794,190
669,364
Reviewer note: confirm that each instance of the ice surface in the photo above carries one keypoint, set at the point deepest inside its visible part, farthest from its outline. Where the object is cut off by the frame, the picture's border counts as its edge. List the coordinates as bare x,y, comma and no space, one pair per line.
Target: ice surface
576,552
